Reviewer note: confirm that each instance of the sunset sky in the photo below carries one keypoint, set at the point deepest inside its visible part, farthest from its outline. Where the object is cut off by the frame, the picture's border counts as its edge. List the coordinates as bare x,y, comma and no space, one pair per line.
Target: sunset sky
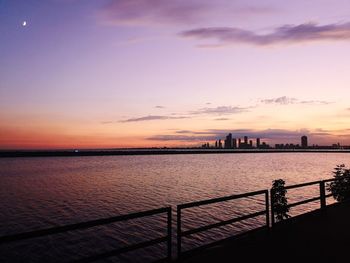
141,73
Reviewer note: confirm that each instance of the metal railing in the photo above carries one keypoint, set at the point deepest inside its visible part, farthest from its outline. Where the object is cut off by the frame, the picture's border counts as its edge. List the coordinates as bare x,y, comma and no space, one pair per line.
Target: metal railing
181,234
322,196
269,217
100,222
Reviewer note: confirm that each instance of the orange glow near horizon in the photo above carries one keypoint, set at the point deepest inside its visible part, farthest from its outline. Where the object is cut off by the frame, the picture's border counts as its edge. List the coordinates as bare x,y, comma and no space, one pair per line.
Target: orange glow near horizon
104,136
107,76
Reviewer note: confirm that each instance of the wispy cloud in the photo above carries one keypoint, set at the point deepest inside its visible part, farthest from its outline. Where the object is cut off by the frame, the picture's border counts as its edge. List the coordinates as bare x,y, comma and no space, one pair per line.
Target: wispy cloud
184,12
214,134
281,35
220,110
183,138
153,118
141,12
271,136
221,119
183,131
284,100
315,102
281,100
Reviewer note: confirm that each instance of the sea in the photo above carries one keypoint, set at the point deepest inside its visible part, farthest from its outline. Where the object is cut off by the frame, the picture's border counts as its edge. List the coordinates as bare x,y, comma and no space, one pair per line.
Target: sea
44,192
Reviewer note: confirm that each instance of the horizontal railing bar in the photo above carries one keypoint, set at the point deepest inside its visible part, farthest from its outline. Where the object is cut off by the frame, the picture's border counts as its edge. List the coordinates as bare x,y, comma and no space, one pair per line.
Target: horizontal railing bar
302,185
220,199
329,180
305,201
118,251
221,223
329,195
82,225
335,179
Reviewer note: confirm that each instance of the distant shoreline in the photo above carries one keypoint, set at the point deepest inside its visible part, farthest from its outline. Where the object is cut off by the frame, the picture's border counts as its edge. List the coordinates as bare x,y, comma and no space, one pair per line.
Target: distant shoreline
71,153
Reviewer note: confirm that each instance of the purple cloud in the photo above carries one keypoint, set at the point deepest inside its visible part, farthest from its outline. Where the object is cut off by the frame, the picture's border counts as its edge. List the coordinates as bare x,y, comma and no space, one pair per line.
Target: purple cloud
271,136
184,138
183,131
315,102
140,12
153,118
143,12
281,100
285,34
222,119
287,100
221,110
278,135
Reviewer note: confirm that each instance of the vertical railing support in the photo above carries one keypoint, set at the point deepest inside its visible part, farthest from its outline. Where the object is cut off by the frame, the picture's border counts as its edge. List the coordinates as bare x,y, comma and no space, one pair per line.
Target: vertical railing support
178,212
322,195
169,235
272,194
267,207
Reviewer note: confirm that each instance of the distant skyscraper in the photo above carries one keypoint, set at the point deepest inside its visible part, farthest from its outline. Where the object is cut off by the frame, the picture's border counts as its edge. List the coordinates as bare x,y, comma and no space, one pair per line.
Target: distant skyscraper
220,144
228,141
257,142
216,144
239,143
251,143
246,140
304,143
234,143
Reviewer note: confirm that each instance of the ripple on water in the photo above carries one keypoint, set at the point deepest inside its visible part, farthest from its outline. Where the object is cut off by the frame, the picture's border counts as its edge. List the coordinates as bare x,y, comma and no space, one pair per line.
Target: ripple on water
45,192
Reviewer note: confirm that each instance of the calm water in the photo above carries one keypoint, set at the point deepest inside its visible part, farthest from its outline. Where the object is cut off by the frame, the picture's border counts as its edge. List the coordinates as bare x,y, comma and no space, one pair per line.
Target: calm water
45,192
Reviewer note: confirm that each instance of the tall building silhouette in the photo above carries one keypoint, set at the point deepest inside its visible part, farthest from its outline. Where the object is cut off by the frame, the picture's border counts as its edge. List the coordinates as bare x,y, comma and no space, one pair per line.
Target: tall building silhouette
257,142
234,143
304,143
228,141
246,140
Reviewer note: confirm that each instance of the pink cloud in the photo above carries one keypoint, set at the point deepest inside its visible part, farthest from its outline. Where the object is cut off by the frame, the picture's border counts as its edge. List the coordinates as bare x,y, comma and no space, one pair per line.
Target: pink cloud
144,12
285,34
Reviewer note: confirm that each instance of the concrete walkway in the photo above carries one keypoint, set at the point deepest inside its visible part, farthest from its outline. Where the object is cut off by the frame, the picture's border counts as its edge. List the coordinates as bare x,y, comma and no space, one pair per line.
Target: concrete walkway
319,236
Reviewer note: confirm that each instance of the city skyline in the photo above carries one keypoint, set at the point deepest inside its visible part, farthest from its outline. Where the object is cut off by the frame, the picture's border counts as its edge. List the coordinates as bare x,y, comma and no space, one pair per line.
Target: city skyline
152,73
233,142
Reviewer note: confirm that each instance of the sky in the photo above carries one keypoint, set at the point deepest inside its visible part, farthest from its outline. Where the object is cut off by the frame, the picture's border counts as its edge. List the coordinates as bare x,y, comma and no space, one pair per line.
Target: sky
154,73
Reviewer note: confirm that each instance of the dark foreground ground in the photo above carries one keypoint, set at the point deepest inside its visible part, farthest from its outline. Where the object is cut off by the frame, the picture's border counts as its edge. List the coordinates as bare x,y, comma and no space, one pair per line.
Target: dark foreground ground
320,236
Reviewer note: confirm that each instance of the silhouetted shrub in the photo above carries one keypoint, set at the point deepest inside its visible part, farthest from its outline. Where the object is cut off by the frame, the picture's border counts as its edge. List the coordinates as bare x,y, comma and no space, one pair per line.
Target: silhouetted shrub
279,200
340,188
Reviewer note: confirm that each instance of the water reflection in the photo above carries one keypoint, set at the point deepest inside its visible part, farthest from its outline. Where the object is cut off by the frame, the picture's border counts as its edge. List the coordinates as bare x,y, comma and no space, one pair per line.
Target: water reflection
44,192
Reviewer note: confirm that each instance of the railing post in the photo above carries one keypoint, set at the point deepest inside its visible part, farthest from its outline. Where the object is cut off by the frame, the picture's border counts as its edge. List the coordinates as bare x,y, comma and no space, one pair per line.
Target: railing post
272,208
322,195
178,212
169,234
267,207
